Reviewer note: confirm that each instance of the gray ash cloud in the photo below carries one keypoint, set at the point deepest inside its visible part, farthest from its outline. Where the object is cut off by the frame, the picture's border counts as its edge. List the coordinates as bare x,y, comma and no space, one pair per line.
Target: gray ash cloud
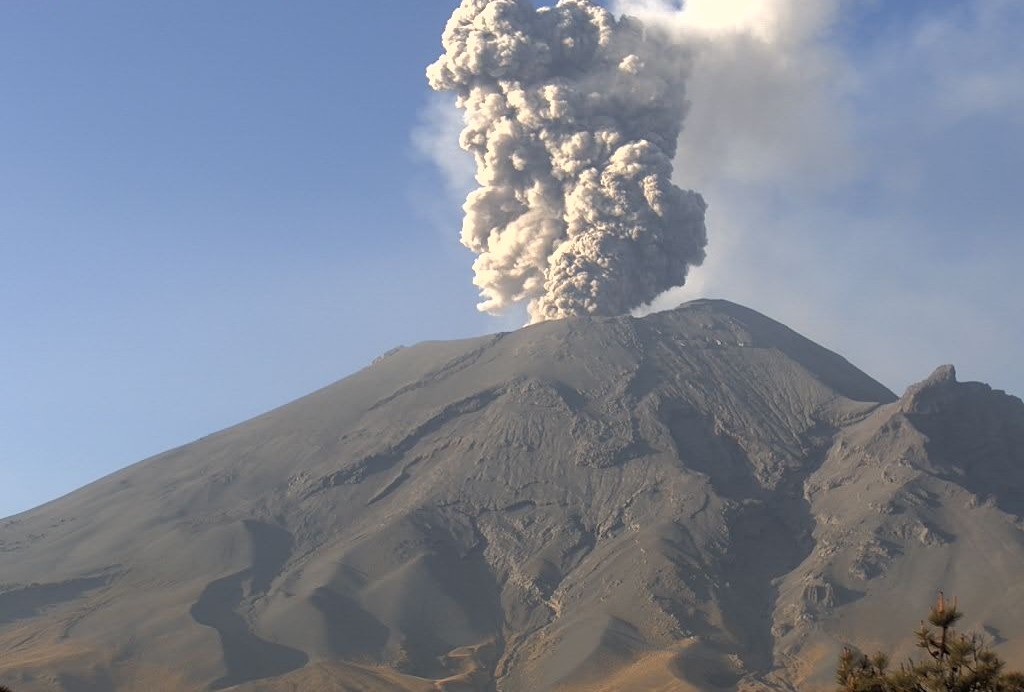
572,116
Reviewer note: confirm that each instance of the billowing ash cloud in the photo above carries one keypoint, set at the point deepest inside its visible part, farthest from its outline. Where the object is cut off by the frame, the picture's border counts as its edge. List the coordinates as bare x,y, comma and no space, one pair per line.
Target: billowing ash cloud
572,116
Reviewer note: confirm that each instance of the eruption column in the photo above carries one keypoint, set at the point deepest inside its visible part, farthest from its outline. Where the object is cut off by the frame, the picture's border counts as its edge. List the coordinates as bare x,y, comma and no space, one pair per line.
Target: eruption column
572,117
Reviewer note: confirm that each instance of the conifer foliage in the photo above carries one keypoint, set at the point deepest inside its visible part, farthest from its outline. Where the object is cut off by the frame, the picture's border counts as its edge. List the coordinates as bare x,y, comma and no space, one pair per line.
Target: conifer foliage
953,662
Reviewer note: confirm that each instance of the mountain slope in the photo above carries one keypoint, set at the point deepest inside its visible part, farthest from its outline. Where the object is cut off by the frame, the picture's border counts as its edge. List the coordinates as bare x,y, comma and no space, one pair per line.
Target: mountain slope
923,495
581,504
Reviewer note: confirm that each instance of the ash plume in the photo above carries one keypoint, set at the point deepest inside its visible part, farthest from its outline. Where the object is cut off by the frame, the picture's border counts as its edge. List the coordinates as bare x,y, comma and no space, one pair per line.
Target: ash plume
572,117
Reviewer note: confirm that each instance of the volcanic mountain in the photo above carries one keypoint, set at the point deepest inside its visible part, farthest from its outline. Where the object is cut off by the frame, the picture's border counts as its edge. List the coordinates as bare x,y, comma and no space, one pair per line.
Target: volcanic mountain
699,499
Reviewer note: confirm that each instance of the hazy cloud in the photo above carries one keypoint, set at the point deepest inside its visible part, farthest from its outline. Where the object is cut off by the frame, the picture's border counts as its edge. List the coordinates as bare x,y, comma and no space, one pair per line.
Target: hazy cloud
891,231
437,139
766,90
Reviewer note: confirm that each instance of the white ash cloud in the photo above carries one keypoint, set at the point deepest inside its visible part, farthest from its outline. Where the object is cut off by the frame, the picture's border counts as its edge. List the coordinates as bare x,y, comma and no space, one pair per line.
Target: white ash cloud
572,116
767,88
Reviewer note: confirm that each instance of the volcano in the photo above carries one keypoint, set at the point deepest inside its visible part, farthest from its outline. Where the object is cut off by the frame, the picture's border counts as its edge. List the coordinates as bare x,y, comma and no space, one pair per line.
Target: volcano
699,499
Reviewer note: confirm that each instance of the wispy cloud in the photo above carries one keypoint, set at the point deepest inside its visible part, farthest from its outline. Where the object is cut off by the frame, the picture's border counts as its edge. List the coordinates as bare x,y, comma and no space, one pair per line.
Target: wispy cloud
436,138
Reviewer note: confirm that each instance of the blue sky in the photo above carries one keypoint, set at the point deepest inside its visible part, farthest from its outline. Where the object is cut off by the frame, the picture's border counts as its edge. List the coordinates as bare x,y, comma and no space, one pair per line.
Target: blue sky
208,209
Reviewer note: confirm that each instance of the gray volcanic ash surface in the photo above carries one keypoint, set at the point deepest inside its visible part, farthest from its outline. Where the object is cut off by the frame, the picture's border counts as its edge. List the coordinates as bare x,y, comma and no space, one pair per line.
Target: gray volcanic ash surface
699,499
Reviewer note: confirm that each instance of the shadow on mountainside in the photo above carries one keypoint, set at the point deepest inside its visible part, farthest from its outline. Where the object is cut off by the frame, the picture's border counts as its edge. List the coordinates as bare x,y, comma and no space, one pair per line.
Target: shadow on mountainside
246,656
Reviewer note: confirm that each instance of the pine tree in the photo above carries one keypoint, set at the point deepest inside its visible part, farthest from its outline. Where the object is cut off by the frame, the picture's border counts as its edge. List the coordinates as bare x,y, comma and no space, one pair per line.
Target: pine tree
954,662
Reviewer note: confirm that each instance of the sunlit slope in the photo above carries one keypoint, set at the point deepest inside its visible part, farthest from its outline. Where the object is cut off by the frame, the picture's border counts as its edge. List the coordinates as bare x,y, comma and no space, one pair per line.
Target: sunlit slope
582,504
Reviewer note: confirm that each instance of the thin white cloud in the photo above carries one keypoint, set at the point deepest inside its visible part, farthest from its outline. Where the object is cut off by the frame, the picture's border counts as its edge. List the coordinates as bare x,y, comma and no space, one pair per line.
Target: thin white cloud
436,138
